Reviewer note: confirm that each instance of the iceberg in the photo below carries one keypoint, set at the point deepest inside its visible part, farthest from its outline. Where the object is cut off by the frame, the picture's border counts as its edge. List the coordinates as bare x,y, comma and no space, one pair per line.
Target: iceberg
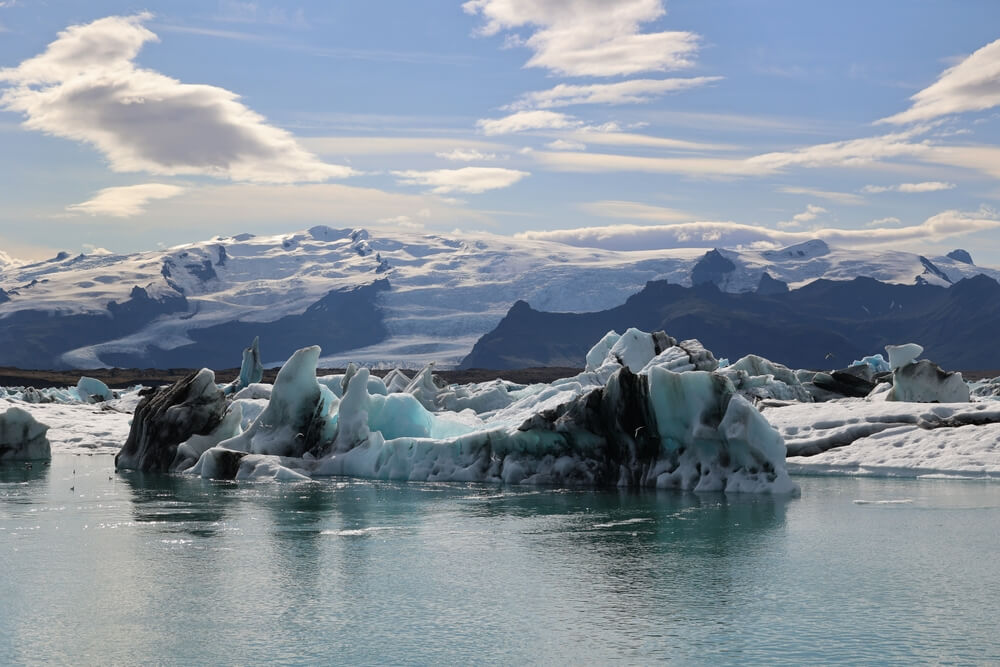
92,390
169,416
251,369
22,438
922,381
654,413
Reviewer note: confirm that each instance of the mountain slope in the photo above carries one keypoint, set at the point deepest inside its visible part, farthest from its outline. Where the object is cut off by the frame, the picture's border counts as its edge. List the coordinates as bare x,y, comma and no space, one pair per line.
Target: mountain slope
825,324
403,299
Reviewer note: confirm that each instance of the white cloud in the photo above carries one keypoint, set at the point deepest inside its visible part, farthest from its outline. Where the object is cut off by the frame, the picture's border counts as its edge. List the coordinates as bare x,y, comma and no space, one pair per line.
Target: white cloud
91,249
635,211
588,37
564,145
527,120
839,197
851,153
811,213
125,201
971,85
384,145
471,180
635,91
847,153
882,222
402,222
732,234
465,155
592,135
231,208
925,186
86,87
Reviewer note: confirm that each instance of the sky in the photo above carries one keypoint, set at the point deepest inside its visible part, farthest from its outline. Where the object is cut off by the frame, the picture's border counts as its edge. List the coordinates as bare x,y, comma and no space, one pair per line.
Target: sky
634,124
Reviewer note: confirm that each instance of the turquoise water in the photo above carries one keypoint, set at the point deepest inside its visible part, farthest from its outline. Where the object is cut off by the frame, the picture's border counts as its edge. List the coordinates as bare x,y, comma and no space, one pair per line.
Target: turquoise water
100,568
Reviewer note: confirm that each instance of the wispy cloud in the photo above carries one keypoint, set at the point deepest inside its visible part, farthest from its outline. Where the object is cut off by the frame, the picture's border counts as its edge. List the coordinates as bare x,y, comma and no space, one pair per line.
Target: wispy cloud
470,180
286,44
635,211
882,222
944,225
125,201
850,153
235,11
811,213
971,85
241,207
523,121
361,145
636,91
86,87
839,197
564,145
465,155
926,186
588,37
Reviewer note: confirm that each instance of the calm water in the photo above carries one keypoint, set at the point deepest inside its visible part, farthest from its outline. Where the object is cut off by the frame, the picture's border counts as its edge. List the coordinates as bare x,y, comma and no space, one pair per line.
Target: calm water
155,569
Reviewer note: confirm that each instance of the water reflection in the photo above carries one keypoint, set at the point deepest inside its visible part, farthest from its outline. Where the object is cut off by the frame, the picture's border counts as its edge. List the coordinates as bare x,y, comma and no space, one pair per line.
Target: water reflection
19,472
179,503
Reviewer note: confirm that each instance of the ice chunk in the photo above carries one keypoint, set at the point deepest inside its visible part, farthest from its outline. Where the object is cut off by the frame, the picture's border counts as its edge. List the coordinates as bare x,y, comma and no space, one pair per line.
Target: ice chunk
599,352
92,390
396,381
900,355
251,370
757,378
22,438
168,416
189,451
876,362
925,382
634,349
295,417
688,355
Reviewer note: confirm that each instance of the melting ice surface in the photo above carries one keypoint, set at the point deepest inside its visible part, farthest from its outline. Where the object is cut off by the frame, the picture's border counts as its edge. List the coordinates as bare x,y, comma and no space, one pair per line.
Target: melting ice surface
173,569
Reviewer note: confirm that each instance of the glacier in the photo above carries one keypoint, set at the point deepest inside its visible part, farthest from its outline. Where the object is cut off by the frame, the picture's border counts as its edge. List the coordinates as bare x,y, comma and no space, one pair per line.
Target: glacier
435,294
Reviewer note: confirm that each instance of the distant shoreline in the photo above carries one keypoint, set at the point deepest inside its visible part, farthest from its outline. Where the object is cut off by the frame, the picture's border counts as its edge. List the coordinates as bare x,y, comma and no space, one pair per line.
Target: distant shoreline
120,378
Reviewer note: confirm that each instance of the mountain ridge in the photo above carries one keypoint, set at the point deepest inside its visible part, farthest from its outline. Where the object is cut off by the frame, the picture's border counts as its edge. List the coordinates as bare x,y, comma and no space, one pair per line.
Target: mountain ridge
417,297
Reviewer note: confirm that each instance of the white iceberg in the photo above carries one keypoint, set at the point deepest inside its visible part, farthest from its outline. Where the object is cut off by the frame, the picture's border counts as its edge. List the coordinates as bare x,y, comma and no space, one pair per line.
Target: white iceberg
22,437
610,426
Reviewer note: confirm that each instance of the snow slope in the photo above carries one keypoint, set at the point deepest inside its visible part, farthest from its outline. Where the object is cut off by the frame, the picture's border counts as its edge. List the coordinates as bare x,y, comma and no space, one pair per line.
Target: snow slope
444,292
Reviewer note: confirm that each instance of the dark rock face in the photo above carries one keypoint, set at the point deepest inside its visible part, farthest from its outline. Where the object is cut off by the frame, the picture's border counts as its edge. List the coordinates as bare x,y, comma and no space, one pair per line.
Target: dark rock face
769,285
168,416
825,324
341,320
960,255
712,268
36,339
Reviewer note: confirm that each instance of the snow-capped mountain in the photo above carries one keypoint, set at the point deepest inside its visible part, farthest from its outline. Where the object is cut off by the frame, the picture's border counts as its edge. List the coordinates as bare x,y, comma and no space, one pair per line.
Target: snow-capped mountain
400,299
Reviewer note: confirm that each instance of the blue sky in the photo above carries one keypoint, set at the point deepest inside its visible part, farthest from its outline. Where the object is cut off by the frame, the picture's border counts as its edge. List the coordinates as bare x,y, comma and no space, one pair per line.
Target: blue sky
630,124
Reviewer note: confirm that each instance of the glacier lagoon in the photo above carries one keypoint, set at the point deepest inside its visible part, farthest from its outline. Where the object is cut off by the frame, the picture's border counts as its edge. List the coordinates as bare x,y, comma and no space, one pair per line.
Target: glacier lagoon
100,567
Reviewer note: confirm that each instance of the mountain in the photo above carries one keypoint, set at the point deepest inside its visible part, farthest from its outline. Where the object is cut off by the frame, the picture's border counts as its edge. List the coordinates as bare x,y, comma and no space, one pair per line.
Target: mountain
825,324
394,300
